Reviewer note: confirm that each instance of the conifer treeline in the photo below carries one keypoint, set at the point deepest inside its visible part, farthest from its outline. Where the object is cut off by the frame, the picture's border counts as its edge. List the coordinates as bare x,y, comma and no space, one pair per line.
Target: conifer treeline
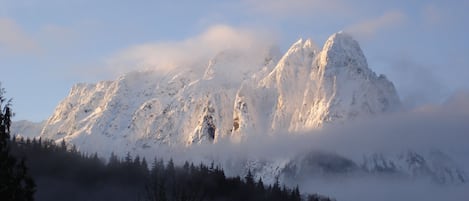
63,173
15,182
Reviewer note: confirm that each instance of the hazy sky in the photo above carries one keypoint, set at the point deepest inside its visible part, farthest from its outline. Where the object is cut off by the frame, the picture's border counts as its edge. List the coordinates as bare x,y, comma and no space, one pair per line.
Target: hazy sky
48,45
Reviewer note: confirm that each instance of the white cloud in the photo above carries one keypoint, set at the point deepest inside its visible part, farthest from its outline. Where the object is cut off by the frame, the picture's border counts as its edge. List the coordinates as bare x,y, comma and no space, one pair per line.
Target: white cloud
14,39
368,28
416,83
165,56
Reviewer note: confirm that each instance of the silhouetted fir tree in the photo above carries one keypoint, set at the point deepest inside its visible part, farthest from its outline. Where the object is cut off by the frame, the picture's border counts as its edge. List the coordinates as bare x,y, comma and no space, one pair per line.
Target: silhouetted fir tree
63,145
295,194
276,187
170,168
113,160
144,167
73,149
249,179
15,182
212,165
285,192
137,161
95,157
21,140
185,167
154,167
260,184
316,197
35,143
128,159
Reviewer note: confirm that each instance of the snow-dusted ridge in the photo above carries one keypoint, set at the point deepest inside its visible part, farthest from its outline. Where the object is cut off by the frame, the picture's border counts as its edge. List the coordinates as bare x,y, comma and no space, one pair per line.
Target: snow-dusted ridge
237,95
26,128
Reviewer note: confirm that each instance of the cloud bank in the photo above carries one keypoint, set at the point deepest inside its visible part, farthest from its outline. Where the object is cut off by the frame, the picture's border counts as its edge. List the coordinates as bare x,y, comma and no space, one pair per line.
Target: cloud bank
443,127
440,127
167,56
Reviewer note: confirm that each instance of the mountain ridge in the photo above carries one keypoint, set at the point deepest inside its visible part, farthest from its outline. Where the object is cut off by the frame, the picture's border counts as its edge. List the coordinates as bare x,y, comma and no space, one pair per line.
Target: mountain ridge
235,96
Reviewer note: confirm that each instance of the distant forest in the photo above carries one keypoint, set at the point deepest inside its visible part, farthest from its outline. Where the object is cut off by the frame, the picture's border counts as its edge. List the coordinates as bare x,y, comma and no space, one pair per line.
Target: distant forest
63,173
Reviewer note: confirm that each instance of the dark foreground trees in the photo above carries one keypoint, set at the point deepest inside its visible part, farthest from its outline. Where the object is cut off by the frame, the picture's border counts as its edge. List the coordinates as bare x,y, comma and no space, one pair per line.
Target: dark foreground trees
15,182
66,174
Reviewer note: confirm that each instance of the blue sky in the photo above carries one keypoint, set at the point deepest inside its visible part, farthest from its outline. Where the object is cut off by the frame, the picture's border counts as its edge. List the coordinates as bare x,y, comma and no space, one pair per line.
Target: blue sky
48,45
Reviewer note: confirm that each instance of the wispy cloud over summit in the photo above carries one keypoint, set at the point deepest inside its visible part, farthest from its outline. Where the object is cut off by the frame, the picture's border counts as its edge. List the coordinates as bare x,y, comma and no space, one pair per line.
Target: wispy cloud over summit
369,27
165,56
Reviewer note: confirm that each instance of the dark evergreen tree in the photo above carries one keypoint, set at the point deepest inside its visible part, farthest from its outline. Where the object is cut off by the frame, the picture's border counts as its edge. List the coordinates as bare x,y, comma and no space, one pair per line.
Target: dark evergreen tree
113,160
260,184
170,170
144,167
185,167
295,194
15,182
128,159
276,187
249,179
63,145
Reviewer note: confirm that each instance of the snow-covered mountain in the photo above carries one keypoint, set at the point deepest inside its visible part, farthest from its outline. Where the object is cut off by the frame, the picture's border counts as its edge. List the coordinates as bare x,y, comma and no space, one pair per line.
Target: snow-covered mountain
26,128
237,95
434,166
311,87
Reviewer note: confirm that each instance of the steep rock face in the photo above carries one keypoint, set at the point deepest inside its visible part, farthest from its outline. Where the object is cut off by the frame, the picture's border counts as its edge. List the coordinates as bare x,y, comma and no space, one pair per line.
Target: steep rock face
218,88
238,94
208,105
342,87
142,110
311,87
289,79
118,113
267,104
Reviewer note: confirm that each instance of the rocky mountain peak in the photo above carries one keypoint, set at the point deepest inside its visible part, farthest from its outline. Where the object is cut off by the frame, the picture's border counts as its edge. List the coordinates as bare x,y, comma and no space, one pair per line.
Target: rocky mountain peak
340,51
239,94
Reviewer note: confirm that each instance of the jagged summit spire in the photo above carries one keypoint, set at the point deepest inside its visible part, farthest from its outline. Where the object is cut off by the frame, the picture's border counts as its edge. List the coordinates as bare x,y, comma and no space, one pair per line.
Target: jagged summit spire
342,41
296,46
309,44
341,50
302,44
